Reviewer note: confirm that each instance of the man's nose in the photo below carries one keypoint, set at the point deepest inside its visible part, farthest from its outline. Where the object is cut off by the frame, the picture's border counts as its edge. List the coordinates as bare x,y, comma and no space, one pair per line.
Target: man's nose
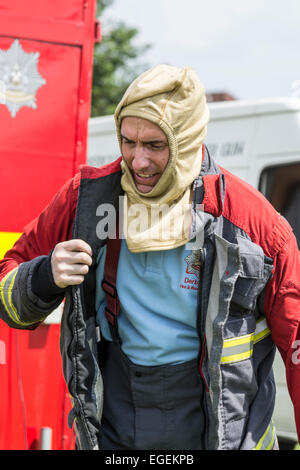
140,160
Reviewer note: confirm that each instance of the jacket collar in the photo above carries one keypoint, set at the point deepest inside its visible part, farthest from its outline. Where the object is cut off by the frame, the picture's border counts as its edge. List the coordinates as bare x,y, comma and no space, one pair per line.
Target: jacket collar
209,187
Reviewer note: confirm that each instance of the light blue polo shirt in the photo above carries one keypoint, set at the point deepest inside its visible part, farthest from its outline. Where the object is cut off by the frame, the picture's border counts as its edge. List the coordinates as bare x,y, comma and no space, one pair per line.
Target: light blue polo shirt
158,300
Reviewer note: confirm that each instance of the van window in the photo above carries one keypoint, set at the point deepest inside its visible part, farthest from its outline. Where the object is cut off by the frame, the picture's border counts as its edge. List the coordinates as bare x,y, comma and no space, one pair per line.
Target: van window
281,186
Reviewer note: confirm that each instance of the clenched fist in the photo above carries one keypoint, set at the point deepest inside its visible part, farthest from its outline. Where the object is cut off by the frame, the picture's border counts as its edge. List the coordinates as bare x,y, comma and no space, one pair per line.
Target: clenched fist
70,262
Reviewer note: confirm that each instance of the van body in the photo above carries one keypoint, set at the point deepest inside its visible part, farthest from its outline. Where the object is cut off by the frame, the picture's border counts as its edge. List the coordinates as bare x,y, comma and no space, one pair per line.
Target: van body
259,141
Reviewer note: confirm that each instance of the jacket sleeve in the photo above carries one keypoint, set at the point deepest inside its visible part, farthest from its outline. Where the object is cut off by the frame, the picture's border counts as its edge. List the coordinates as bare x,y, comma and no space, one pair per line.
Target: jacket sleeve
20,306
282,306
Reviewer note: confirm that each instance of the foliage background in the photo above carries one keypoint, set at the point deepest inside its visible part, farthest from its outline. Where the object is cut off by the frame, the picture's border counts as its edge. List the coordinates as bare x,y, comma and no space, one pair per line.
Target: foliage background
116,62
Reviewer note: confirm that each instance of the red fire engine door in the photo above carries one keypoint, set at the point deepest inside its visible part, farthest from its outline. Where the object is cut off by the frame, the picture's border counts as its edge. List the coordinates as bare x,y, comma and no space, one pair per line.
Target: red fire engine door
46,56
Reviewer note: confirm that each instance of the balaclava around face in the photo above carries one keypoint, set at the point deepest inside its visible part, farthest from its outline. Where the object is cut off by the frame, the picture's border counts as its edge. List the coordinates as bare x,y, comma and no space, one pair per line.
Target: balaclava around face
174,99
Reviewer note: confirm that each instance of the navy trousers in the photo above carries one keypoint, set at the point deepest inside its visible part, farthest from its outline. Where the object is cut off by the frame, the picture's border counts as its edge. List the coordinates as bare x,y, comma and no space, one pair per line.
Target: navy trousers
156,407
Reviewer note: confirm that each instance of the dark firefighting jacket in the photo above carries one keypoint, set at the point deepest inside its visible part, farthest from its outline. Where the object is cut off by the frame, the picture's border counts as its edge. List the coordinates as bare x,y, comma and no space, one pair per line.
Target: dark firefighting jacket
248,302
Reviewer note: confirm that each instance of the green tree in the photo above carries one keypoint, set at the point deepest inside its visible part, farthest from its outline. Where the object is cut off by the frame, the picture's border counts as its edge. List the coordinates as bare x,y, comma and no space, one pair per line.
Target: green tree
115,63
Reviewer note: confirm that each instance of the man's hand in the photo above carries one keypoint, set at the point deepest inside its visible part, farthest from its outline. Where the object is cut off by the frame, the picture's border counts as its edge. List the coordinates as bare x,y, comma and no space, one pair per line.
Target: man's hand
70,262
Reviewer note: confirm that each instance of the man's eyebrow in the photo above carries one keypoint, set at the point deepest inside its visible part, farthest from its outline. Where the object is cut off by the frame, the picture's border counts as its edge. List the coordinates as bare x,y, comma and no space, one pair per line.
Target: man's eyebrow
152,141
126,138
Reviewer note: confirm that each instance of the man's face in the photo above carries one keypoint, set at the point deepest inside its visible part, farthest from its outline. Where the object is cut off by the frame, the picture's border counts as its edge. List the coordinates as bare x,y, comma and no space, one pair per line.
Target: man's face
145,149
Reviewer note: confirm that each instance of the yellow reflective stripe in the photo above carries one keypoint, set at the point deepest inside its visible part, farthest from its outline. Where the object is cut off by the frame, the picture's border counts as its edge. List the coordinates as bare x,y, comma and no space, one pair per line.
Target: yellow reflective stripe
228,343
7,241
236,357
271,444
3,288
261,441
267,440
262,330
6,287
239,348
11,305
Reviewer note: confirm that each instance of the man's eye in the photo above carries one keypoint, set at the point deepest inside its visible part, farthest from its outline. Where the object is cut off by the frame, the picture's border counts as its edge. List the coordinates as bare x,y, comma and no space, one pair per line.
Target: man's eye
156,146
128,143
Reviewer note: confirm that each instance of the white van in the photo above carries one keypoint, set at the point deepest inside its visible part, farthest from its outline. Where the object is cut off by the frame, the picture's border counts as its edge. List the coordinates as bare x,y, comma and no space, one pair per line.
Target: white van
259,141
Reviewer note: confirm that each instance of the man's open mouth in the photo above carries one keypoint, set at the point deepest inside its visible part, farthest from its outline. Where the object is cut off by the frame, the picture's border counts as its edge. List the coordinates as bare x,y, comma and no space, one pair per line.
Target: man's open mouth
142,175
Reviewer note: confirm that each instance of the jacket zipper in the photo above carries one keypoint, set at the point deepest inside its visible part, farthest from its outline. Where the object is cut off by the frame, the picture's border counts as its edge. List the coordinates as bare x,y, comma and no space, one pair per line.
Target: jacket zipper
201,362
199,321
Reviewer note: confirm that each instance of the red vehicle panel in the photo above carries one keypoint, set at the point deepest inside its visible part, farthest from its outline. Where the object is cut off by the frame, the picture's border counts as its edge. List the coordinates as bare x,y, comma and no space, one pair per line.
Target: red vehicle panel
39,144
46,56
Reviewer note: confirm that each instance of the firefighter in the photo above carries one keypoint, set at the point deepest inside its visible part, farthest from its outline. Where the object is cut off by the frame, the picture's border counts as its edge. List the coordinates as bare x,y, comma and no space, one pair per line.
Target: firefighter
178,279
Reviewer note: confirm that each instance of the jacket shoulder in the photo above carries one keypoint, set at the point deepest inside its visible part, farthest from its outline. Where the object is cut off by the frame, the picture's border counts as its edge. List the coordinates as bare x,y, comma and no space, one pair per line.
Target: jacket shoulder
248,209
91,172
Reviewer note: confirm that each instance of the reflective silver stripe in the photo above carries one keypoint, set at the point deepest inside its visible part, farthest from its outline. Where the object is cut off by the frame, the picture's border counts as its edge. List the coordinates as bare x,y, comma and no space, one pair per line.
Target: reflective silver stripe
267,440
262,330
241,347
214,299
237,349
225,272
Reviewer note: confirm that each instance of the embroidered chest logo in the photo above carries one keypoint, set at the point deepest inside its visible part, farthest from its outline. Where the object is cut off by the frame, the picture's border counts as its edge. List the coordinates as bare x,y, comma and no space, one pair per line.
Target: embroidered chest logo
193,263
191,281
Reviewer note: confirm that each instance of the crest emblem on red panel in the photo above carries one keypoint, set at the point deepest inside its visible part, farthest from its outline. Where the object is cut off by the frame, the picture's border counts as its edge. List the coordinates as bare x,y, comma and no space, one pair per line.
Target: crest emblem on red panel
19,77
